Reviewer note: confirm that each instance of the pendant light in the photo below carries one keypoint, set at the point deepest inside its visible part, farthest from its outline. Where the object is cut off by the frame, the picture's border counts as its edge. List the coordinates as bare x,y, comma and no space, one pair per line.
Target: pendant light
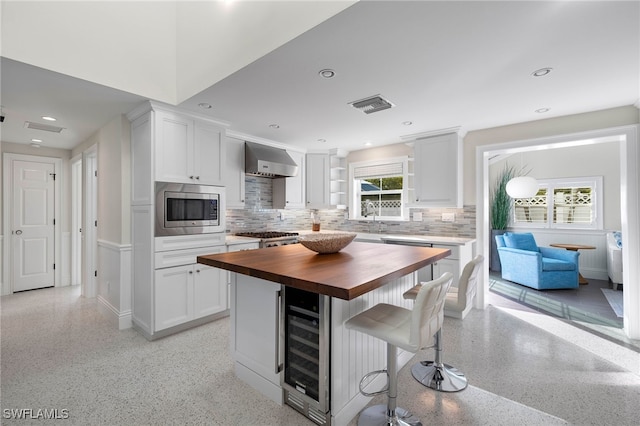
522,186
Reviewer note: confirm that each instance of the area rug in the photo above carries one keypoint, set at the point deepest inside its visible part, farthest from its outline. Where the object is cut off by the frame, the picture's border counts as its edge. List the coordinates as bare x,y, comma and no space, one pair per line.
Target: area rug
614,297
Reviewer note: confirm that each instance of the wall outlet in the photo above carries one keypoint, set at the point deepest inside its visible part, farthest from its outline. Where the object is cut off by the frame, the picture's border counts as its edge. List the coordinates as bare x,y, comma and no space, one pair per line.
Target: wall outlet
417,216
448,217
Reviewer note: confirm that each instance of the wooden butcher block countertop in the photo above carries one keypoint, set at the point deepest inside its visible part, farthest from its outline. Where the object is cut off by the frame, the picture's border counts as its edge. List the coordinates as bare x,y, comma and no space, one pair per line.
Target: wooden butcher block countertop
357,269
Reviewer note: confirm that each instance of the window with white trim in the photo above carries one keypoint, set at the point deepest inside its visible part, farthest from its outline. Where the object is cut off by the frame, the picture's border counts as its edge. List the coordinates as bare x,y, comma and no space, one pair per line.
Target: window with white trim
378,189
562,203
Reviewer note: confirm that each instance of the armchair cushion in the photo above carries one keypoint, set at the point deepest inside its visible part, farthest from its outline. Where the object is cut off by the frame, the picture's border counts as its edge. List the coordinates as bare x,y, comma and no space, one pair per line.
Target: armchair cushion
522,241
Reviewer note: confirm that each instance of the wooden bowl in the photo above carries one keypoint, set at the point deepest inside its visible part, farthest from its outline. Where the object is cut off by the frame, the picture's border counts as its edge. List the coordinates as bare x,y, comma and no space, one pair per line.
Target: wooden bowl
327,243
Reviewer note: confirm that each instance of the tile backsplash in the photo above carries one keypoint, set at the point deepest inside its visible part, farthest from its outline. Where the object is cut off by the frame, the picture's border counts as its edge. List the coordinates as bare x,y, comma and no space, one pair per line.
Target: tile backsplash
259,215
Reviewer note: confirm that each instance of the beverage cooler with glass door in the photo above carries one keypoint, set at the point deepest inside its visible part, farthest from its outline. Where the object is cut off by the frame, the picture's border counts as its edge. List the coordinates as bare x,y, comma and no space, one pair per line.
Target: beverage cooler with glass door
306,348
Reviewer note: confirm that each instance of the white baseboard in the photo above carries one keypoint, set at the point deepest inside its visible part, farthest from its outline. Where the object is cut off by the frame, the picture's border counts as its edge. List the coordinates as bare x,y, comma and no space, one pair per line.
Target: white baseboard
122,320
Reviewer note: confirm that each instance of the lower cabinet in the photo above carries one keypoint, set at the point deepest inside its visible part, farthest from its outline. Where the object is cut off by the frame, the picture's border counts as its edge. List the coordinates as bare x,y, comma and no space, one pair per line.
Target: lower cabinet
454,263
255,333
189,292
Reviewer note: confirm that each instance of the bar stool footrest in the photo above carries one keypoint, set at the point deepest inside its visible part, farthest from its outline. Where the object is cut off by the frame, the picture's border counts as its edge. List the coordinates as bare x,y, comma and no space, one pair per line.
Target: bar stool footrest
445,378
366,376
377,415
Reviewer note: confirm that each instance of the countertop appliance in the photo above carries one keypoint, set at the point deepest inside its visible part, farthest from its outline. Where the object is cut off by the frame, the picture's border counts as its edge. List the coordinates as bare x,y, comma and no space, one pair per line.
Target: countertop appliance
184,209
272,238
305,323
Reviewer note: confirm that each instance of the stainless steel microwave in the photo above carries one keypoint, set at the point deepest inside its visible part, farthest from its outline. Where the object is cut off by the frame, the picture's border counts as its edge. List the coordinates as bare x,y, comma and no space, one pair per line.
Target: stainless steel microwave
183,209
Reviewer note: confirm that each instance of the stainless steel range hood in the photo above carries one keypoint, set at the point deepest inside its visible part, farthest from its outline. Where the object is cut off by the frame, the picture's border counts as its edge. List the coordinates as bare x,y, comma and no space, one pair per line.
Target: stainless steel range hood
267,161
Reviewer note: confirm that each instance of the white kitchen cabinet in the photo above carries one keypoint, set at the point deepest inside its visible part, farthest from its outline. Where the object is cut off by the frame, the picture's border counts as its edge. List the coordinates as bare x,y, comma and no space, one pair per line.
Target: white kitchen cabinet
234,174
438,171
289,193
188,150
327,180
455,262
188,292
231,275
173,296
255,333
318,181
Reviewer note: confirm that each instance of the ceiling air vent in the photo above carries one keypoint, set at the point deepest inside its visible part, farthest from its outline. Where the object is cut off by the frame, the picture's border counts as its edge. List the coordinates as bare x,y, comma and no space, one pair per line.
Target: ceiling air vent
44,127
372,104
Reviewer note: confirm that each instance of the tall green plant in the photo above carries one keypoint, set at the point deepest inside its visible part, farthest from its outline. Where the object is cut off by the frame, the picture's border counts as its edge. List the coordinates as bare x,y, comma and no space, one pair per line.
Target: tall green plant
500,200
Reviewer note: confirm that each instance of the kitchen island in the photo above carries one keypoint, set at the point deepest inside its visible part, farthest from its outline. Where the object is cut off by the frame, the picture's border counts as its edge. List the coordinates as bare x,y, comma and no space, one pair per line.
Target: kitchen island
351,281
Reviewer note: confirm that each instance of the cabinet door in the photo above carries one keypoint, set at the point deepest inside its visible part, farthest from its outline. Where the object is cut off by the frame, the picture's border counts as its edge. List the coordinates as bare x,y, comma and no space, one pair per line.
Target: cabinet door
256,329
209,291
209,152
173,296
234,173
317,179
447,265
295,186
174,148
438,171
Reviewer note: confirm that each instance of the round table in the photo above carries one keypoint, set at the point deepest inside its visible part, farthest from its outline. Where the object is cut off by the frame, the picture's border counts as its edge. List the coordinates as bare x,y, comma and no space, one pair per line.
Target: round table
575,247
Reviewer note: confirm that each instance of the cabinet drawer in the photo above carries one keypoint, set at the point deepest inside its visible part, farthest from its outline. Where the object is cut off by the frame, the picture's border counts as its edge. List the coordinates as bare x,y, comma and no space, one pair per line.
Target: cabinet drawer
455,250
166,259
243,246
181,242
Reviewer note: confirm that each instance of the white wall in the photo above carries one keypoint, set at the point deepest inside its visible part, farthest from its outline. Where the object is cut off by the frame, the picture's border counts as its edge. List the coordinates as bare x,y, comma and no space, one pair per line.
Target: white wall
589,160
537,129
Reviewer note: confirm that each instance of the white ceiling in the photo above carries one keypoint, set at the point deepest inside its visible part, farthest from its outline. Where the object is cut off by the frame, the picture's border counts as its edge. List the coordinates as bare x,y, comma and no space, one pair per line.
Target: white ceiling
443,64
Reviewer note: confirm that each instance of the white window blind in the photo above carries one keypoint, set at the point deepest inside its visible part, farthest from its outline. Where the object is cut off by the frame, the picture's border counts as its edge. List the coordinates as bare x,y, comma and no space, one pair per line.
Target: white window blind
378,171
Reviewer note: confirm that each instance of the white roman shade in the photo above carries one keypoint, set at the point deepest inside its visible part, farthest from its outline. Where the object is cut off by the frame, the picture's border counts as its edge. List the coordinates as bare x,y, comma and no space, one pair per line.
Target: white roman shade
378,170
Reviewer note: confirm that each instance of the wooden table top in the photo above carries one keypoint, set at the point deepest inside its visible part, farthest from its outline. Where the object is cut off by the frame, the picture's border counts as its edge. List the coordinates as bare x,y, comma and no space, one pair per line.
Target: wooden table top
357,269
573,247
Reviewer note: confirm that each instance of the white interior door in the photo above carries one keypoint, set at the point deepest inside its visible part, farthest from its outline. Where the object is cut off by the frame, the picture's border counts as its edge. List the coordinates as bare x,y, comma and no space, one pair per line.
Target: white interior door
89,285
32,230
76,220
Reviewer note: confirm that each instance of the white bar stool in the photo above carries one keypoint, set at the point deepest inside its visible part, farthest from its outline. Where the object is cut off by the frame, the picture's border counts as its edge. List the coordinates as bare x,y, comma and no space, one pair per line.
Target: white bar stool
436,374
410,330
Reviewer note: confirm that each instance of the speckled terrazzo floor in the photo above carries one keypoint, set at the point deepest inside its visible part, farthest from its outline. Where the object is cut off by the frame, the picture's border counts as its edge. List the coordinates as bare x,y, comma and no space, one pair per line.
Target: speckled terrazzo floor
58,352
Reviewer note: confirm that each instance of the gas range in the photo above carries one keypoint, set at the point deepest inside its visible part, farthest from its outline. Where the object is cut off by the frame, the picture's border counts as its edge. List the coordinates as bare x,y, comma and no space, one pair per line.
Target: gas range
272,238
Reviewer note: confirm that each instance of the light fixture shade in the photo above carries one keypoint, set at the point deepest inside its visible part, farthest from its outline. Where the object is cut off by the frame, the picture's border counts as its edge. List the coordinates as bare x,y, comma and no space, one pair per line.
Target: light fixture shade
522,187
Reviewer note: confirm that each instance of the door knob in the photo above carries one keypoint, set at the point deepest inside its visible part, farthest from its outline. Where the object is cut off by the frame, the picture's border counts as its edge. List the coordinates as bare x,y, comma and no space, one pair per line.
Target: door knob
18,232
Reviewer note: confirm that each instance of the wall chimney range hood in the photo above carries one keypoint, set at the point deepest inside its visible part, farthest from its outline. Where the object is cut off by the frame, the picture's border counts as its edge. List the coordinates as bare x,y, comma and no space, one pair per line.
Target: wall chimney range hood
267,161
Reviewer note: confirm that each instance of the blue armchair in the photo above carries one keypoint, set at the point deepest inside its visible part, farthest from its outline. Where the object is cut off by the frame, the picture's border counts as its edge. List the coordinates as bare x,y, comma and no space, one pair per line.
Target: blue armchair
542,268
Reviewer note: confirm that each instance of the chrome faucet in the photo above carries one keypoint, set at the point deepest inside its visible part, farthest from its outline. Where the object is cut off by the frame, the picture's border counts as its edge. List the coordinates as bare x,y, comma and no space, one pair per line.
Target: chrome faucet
370,209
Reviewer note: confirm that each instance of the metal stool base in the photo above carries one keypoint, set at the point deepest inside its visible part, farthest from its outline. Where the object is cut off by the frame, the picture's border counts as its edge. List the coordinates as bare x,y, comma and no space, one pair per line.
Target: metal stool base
376,415
444,379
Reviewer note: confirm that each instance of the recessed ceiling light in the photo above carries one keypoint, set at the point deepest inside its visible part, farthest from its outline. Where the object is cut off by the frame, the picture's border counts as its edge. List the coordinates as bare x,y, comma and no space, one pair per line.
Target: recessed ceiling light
204,105
322,140
367,143
327,73
46,117
36,140
407,123
542,110
541,72
274,126
35,145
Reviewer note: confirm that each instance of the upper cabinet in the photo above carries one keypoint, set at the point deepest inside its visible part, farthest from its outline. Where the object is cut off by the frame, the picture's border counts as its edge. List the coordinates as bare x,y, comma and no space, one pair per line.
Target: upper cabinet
327,180
317,181
188,150
289,193
234,174
437,171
